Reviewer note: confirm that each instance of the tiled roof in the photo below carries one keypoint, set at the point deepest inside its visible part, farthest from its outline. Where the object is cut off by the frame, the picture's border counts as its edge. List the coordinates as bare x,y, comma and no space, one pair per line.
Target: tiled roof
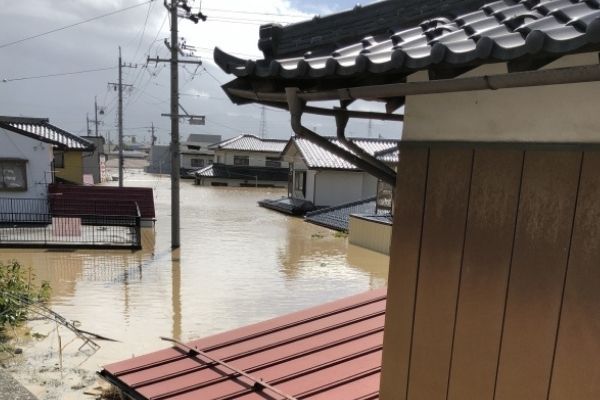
319,158
391,155
251,143
41,129
502,30
338,217
239,172
328,352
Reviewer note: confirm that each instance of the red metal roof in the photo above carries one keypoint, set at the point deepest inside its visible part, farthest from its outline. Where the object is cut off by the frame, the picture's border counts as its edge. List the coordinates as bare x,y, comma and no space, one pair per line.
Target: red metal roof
328,352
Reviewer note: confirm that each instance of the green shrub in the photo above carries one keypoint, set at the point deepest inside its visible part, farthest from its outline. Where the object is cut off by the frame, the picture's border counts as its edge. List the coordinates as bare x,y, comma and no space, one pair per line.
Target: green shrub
16,291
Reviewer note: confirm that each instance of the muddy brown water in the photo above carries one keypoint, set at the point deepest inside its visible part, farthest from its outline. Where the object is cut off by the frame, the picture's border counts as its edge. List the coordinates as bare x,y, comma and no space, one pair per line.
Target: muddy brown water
238,264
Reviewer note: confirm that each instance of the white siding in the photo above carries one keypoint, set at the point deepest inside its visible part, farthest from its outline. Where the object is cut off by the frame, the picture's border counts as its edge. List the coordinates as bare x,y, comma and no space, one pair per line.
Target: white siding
39,163
338,187
256,159
555,113
186,160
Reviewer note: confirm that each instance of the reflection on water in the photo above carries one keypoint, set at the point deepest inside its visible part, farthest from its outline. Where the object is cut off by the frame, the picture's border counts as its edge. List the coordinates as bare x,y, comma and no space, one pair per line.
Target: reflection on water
238,264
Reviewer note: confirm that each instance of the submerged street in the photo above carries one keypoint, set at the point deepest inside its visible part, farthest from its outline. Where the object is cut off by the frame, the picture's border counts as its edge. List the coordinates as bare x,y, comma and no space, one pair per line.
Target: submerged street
238,264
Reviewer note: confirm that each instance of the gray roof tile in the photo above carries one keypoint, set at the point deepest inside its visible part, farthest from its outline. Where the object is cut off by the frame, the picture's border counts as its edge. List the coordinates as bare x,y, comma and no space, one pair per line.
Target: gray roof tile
41,129
251,143
319,158
499,31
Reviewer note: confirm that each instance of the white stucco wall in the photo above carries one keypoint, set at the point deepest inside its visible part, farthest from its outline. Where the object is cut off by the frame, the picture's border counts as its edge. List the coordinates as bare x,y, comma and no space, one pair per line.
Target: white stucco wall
557,113
333,188
38,167
257,159
186,159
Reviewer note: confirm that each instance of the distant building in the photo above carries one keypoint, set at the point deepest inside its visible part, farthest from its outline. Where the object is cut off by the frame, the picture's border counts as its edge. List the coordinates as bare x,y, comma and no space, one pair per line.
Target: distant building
195,152
246,160
159,160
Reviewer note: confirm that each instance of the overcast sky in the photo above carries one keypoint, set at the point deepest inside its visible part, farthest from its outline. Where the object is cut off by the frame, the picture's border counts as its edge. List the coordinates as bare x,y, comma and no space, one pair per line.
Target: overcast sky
140,32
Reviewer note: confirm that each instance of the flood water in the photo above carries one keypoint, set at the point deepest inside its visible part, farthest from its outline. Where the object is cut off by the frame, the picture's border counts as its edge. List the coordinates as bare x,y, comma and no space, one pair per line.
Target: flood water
238,264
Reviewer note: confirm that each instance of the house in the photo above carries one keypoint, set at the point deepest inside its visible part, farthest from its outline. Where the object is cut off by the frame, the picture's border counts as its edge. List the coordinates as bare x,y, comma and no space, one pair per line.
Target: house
246,160
494,287
35,153
159,159
319,178
195,152
94,162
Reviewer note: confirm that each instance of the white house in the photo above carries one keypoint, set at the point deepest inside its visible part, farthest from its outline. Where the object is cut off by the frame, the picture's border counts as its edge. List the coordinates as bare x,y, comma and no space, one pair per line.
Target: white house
195,152
27,147
324,179
246,160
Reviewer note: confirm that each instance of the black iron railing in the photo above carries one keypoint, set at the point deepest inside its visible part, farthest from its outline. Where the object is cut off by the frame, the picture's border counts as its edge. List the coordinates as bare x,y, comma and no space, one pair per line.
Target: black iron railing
37,223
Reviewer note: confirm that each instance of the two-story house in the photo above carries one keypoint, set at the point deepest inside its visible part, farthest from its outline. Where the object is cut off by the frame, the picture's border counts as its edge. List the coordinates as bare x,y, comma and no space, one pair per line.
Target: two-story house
246,160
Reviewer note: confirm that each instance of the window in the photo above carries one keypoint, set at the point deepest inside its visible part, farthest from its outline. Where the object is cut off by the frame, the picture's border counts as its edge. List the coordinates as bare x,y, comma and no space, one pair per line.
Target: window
13,175
241,160
273,162
197,162
59,159
190,147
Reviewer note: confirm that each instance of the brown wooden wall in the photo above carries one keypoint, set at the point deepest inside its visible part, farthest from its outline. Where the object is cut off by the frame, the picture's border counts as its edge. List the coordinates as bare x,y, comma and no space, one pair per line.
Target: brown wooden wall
494,282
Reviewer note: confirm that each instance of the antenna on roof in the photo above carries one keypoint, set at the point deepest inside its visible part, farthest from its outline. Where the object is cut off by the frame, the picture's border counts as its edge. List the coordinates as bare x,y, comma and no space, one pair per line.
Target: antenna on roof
370,128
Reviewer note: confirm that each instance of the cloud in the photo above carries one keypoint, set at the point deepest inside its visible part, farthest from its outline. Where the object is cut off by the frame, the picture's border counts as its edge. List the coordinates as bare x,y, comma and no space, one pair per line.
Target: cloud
66,100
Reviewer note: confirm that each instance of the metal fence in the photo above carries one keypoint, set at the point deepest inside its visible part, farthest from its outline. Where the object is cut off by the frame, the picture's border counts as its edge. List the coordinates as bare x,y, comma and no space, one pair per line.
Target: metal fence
37,223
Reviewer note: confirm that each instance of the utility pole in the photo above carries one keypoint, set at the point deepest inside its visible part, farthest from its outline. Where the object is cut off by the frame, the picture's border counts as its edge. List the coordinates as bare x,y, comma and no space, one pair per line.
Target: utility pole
87,121
96,111
175,151
119,87
263,122
153,137
173,8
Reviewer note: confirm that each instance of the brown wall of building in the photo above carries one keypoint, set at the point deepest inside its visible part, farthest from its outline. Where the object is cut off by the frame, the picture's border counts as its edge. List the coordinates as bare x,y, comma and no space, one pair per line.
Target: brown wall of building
494,275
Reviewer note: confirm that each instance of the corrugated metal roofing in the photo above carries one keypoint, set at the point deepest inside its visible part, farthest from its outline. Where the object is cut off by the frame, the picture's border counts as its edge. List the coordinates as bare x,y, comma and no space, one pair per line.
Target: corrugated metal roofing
498,31
319,158
40,128
251,143
328,352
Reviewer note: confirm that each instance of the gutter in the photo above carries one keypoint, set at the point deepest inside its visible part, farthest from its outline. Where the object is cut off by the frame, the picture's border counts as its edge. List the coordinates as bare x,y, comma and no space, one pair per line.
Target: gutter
341,121
296,107
557,76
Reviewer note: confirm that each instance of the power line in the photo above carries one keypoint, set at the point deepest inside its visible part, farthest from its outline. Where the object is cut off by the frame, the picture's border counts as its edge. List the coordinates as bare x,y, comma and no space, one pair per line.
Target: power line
72,25
258,13
59,74
143,31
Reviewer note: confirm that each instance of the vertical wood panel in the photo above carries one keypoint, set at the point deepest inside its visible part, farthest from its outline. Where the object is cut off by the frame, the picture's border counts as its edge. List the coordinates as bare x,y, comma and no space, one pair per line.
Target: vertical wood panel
439,271
577,362
488,249
404,258
542,239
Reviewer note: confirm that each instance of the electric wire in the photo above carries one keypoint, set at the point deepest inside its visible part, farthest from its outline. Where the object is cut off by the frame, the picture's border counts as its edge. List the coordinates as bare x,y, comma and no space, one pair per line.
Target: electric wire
143,30
58,74
73,25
